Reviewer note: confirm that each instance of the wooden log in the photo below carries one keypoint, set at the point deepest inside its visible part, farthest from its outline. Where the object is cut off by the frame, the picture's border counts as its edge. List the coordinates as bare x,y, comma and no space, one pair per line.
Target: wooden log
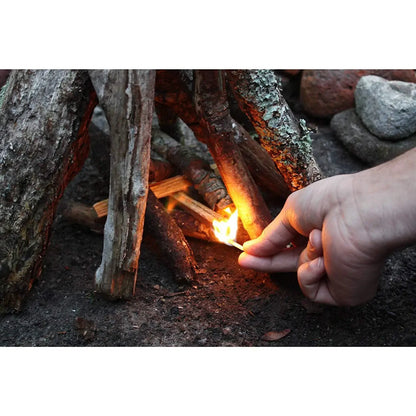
44,142
192,227
172,91
286,140
212,107
171,241
126,97
84,215
259,163
197,170
159,168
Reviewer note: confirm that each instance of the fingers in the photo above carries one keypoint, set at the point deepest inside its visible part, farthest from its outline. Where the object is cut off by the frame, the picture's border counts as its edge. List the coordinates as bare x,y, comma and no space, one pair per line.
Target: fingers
312,281
313,249
275,237
282,262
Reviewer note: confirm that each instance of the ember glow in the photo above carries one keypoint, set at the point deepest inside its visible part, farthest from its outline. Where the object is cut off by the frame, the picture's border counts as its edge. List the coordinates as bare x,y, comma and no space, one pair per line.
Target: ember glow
226,230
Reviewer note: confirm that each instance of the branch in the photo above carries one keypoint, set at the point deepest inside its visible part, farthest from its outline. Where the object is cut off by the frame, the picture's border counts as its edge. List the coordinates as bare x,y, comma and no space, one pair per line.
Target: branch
286,140
126,97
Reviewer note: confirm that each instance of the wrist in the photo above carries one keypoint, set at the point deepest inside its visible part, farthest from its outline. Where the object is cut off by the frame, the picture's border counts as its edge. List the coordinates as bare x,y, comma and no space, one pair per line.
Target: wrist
386,200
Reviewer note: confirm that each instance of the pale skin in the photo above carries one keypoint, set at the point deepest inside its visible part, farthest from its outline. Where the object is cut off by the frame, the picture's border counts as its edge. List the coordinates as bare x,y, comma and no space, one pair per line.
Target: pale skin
342,229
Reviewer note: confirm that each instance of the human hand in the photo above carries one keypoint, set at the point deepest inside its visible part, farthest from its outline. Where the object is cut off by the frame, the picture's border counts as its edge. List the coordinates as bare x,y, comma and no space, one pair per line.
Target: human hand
339,265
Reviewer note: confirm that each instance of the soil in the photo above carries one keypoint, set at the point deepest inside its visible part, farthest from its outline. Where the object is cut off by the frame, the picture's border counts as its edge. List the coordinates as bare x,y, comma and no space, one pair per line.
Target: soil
228,306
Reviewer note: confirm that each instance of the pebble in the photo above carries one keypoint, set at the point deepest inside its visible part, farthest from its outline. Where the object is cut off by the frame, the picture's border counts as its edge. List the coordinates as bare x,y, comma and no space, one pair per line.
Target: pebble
226,330
387,108
358,140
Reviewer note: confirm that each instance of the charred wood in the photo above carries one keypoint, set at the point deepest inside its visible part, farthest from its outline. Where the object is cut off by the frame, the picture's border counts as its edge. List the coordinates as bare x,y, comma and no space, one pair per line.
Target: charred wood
170,240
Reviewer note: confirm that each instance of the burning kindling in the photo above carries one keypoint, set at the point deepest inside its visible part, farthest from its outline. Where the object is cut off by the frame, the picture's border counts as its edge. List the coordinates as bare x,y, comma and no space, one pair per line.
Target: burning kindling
226,230
224,225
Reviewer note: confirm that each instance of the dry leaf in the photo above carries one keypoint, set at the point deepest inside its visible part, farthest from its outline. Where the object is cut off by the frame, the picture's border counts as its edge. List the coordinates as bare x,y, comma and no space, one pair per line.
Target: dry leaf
275,336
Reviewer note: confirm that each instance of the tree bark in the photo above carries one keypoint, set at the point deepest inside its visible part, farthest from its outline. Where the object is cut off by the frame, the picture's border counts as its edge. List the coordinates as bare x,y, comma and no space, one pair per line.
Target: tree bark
126,97
44,142
286,140
212,108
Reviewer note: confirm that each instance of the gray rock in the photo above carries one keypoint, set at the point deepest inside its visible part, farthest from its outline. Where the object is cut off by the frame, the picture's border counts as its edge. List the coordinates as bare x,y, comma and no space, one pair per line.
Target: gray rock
387,108
360,142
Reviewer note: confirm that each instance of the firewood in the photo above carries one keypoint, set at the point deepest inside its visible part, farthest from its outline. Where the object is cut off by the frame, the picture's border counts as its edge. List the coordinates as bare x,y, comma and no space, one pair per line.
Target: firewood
286,140
159,168
192,223
170,240
197,170
126,97
212,107
192,227
43,143
160,189
84,215
259,163
172,91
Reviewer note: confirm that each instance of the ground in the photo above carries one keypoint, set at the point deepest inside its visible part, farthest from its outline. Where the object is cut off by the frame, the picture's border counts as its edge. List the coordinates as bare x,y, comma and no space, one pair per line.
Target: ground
228,306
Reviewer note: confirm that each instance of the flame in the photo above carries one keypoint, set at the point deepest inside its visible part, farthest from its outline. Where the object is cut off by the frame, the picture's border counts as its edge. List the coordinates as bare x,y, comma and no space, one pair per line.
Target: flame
226,230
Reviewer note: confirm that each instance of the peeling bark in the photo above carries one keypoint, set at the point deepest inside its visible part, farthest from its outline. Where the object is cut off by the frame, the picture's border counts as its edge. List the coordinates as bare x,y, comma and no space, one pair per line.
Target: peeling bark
44,142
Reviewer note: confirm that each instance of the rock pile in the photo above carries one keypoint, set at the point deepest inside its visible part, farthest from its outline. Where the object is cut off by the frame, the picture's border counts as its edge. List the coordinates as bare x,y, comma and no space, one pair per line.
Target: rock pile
324,93
383,123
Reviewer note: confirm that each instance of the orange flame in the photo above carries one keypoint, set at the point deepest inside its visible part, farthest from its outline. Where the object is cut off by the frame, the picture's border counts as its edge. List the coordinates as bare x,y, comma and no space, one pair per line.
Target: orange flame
226,230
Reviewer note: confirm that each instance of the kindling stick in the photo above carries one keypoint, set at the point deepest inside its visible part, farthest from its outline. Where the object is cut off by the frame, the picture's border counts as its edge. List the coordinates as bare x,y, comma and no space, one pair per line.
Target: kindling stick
160,189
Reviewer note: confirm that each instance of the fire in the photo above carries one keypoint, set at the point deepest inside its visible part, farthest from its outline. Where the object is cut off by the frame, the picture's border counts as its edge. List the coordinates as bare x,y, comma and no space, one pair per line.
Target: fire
226,230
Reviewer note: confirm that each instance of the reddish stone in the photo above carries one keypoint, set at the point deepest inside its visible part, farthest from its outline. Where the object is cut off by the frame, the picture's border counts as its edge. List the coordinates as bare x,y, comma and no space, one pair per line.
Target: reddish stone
324,93
4,73
291,72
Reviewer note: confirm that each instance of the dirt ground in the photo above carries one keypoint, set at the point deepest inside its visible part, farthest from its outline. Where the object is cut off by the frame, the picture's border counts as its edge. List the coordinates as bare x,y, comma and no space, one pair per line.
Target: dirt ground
228,306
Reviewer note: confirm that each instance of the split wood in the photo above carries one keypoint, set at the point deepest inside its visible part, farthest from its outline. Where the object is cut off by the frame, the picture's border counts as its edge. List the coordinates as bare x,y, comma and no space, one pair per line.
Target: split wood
160,189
